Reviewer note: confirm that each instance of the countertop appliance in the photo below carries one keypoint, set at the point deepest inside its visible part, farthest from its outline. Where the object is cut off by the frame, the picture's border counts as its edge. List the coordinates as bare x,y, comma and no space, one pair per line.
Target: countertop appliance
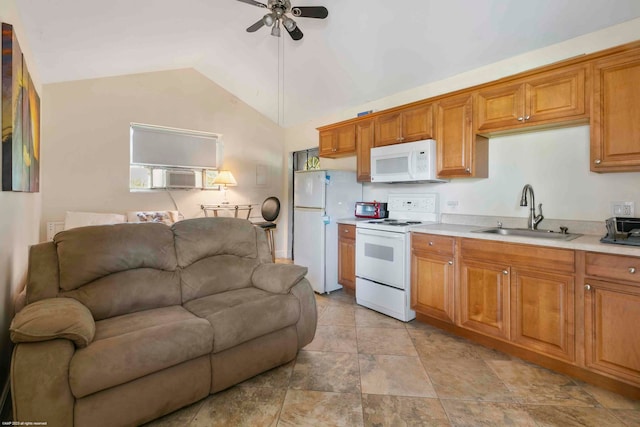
373,210
320,198
407,162
383,249
622,231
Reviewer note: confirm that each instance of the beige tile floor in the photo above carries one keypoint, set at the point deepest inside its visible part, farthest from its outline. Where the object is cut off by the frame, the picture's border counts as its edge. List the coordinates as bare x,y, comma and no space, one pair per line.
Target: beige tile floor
366,369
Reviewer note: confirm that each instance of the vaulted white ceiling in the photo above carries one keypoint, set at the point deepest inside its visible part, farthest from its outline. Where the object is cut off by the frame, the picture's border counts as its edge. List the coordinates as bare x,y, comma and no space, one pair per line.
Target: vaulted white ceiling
364,50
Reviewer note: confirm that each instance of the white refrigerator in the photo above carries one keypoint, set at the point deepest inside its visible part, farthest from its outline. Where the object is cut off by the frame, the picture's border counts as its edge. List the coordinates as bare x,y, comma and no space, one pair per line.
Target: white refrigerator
320,198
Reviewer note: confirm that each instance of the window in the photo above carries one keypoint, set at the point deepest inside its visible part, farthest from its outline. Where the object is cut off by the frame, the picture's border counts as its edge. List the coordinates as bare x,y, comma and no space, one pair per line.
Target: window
162,157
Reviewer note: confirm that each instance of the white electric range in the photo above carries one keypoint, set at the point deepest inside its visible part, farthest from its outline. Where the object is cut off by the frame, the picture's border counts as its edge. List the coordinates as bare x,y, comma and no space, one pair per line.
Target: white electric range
383,254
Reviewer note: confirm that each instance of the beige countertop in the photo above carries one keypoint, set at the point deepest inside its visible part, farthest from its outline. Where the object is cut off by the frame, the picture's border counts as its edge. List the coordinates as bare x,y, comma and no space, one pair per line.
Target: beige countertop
586,242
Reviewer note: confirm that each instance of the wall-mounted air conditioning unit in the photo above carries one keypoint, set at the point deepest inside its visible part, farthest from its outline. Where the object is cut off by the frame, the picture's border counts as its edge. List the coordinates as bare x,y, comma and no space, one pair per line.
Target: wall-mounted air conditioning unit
175,178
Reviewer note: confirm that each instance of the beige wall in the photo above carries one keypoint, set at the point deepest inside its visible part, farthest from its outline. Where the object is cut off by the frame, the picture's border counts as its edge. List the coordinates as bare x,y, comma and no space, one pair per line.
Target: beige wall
555,162
19,219
86,126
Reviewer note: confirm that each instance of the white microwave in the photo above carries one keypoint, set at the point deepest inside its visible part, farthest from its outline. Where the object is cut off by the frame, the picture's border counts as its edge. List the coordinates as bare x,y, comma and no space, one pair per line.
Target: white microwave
408,162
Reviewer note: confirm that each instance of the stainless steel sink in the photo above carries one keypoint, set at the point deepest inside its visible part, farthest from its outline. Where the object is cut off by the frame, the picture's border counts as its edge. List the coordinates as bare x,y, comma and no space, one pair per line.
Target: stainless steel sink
525,232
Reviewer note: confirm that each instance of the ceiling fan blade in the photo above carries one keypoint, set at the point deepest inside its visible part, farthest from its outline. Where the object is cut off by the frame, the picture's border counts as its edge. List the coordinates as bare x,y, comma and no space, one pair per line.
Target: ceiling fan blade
254,3
255,27
320,12
295,34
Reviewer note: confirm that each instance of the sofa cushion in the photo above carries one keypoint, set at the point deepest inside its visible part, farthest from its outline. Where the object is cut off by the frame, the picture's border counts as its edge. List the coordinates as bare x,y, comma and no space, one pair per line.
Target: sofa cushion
129,291
216,274
121,247
137,344
240,315
200,238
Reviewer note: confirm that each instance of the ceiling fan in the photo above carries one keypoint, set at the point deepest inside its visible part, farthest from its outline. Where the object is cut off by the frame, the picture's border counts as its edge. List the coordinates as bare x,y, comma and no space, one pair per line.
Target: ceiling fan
278,10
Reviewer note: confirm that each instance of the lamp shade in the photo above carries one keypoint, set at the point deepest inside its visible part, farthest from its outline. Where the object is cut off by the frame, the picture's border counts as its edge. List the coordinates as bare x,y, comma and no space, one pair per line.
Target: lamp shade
225,178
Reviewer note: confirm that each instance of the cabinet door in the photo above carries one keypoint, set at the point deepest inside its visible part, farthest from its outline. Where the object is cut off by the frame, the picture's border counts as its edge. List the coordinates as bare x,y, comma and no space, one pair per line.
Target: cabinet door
417,123
484,298
347,257
388,129
345,142
460,152
500,107
615,119
542,312
326,143
556,96
612,316
364,142
432,281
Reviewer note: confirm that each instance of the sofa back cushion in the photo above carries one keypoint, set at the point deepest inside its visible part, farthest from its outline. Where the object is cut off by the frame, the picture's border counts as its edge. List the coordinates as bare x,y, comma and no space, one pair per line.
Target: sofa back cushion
118,269
217,254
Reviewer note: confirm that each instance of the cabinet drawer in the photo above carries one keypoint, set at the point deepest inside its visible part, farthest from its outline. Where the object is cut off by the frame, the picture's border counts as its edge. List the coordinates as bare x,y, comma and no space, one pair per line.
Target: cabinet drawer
347,231
613,266
432,243
528,256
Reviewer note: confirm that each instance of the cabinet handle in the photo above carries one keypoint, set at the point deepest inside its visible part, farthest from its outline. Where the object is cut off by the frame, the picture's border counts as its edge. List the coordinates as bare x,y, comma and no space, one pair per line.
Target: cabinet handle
467,170
632,270
587,287
400,138
430,243
597,161
527,118
520,119
450,262
505,272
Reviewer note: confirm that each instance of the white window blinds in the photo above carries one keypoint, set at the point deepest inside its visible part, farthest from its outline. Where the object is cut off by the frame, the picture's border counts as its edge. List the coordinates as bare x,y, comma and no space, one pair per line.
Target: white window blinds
170,147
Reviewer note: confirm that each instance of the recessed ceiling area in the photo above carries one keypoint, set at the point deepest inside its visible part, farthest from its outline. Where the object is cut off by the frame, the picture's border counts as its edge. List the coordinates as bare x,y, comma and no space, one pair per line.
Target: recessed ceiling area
363,51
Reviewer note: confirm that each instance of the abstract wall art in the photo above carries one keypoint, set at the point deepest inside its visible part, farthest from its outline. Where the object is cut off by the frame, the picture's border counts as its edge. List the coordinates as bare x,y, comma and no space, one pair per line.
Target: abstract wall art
20,119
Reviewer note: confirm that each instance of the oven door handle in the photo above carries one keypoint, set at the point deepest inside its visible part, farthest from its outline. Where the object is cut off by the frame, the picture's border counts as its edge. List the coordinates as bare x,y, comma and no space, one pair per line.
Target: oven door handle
384,234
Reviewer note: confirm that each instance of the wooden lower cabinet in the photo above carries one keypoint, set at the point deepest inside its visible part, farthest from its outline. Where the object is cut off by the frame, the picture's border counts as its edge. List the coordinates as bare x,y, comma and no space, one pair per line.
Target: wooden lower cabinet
612,316
542,312
433,276
572,311
484,298
347,257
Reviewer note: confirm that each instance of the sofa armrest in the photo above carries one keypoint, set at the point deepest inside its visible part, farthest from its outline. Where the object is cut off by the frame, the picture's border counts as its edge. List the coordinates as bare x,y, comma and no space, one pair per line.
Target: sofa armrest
277,278
53,318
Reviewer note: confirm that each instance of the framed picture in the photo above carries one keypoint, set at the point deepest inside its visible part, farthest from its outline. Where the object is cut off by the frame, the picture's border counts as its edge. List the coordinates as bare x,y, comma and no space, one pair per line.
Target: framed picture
208,175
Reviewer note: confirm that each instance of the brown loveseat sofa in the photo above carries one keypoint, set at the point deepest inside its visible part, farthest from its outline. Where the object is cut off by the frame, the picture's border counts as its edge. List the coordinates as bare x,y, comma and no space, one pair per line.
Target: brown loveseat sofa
125,323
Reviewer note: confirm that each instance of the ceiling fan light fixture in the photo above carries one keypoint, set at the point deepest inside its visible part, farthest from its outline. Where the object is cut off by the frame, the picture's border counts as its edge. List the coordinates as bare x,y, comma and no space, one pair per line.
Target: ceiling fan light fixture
275,31
268,19
289,23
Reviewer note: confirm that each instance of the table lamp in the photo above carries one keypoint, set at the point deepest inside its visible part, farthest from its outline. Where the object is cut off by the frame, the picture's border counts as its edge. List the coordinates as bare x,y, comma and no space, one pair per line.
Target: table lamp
225,178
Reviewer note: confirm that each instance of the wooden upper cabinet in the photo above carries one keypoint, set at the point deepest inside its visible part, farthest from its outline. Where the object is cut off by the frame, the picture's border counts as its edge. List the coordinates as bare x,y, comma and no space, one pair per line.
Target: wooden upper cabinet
338,142
615,119
406,125
460,153
551,97
364,142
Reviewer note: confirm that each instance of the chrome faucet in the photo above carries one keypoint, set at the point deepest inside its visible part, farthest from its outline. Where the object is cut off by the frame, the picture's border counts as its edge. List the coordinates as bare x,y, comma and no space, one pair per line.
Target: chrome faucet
534,220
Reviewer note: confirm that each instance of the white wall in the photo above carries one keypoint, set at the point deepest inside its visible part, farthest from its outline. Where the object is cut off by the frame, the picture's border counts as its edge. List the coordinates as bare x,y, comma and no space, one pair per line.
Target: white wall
19,218
86,126
555,162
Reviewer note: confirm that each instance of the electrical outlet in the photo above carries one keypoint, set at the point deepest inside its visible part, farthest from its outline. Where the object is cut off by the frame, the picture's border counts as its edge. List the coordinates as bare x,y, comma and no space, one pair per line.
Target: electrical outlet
452,204
623,208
